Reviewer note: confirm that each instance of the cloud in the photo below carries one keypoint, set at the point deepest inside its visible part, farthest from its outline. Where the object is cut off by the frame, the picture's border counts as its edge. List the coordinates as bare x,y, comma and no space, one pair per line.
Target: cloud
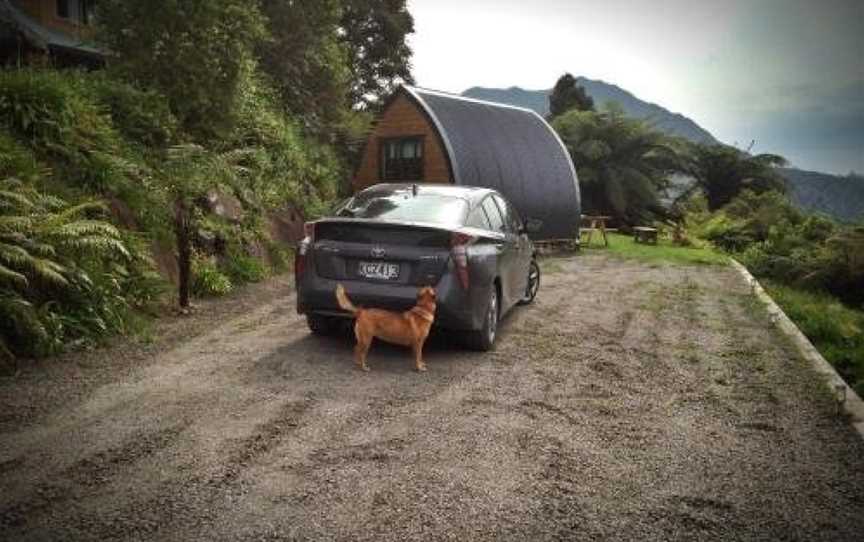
786,72
824,98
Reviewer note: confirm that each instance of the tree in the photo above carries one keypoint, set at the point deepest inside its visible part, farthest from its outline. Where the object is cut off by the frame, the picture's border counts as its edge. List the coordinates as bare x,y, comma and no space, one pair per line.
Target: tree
722,172
622,164
195,52
375,36
187,174
567,95
307,61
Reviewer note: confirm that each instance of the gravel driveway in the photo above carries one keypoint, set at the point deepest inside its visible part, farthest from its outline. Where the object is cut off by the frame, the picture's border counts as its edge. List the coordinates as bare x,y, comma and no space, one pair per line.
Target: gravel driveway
631,402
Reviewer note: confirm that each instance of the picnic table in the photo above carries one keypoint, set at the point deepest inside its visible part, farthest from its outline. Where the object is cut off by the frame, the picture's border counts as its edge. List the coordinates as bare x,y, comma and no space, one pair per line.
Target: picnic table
596,223
645,234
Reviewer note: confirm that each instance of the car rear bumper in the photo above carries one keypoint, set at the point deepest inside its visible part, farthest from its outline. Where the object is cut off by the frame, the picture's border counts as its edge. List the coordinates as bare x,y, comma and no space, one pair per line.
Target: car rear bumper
456,307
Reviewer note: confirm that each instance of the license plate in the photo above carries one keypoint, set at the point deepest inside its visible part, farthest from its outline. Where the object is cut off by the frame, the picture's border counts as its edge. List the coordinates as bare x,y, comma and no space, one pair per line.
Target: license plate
378,270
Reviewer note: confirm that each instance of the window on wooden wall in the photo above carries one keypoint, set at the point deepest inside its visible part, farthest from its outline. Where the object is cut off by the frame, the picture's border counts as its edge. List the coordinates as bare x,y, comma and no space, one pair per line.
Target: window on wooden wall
63,8
402,159
79,11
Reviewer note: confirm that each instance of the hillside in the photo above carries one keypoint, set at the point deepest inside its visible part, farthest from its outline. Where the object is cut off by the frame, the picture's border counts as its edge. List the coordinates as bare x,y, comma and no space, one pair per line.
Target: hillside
601,92
840,197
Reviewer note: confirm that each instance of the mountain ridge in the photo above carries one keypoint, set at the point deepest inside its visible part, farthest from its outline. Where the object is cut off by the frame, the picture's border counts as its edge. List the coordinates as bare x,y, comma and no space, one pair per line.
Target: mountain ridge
602,93
841,197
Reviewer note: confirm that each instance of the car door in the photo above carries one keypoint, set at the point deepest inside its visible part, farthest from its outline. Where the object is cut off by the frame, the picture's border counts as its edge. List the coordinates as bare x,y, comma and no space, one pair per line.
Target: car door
509,257
524,247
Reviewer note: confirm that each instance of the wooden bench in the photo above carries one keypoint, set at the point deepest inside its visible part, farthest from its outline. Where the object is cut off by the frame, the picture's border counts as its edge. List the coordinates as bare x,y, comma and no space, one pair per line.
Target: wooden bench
644,234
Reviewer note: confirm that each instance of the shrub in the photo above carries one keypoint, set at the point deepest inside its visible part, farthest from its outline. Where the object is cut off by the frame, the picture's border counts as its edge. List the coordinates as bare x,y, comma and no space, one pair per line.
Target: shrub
38,105
141,116
838,265
775,240
836,330
15,160
817,228
208,280
57,115
281,257
726,233
242,268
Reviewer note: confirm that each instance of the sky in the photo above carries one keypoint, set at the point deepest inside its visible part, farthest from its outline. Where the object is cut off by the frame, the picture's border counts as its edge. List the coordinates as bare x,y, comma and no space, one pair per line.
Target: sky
788,74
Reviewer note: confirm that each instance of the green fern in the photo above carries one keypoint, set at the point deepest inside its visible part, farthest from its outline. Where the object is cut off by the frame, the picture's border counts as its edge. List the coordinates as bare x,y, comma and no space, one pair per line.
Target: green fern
48,250
7,275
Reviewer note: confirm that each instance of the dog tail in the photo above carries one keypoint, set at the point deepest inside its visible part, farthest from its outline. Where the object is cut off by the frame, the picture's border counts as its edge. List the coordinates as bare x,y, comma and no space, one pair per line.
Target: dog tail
342,299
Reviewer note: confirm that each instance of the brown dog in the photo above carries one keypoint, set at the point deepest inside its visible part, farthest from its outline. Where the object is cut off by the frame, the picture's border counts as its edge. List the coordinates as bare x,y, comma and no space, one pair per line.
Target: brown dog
409,328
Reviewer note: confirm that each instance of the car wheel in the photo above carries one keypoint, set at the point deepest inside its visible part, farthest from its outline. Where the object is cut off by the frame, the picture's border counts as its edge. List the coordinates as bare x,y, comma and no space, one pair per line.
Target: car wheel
533,284
483,339
321,325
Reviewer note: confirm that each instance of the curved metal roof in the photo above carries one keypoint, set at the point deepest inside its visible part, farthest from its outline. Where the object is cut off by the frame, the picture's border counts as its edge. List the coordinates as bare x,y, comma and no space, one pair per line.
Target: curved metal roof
510,149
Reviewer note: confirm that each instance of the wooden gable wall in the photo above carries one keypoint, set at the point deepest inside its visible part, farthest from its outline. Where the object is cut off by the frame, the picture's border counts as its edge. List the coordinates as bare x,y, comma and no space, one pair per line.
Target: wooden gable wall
45,12
403,118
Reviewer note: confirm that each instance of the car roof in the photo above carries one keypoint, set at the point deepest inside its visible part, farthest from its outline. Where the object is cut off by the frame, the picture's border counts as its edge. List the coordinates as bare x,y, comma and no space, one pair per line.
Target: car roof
473,194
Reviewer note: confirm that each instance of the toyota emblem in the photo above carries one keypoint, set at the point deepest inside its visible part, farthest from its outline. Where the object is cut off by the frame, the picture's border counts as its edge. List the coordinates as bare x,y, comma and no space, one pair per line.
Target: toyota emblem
378,252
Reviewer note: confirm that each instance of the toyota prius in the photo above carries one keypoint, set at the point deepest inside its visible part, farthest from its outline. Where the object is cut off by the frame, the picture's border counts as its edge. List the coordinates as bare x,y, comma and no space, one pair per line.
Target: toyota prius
389,240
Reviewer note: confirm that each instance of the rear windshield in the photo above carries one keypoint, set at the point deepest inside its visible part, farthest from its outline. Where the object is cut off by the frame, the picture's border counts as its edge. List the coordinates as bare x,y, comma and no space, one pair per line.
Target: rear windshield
403,205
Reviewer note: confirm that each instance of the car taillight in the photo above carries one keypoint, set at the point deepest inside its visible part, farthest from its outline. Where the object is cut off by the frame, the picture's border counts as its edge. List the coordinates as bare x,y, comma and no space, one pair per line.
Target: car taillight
303,249
300,260
459,243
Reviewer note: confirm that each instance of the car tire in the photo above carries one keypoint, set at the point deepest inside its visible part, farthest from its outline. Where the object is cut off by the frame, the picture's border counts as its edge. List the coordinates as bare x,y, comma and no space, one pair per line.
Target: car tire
483,339
533,284
322,325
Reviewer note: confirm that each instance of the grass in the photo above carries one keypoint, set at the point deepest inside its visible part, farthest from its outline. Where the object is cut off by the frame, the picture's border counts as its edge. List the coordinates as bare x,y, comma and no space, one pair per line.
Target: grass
663,251
836,330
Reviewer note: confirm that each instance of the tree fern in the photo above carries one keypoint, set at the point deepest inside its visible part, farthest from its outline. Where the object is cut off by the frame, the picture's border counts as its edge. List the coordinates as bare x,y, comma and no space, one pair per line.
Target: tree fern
723,172
188,173
622,163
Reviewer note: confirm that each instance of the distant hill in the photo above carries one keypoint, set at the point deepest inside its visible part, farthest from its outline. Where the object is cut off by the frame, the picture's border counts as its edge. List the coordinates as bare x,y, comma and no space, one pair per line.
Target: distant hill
602,92
840,197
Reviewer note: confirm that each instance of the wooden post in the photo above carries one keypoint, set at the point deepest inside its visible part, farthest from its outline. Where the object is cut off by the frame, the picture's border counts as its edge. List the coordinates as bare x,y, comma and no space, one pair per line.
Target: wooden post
184,250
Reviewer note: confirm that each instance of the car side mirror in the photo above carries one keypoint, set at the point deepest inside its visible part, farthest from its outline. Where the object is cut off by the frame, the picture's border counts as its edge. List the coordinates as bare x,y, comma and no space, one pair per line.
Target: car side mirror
532,225
332,209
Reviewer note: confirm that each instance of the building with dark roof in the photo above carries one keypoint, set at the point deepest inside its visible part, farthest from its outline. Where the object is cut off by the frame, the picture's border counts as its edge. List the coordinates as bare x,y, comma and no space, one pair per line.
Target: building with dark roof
59,30
429,136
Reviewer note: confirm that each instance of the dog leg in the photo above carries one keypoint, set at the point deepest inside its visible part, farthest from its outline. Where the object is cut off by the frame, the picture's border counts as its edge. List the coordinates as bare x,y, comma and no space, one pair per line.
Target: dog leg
419,365
361,349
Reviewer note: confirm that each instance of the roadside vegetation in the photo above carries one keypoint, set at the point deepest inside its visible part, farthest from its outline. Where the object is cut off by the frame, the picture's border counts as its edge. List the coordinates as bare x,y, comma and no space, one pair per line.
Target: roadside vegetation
664,251
834,328
812,266
174,171
712,201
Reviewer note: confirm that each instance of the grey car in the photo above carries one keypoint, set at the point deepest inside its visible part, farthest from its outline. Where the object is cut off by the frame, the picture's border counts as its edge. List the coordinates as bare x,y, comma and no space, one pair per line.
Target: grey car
391,239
